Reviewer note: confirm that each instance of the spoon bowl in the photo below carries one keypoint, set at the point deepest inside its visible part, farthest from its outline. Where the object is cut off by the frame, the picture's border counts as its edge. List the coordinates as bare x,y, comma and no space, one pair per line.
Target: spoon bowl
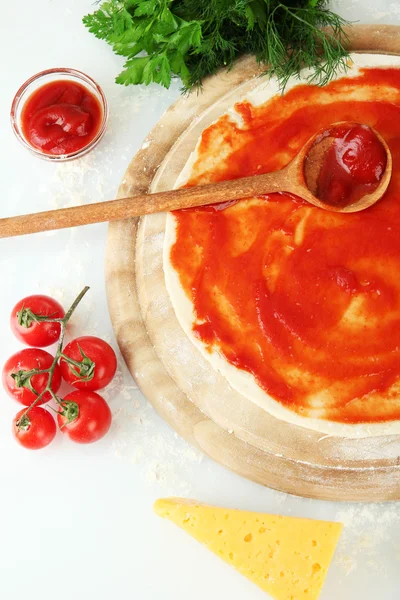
318,145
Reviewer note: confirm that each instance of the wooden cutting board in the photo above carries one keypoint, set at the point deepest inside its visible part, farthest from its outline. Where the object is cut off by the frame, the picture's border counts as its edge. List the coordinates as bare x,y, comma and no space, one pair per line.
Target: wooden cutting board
194,399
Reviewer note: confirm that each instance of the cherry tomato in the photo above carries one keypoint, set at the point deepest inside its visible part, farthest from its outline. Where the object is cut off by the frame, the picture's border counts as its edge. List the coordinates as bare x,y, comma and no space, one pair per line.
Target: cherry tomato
36,333
23,388
93,418
97,363
36,430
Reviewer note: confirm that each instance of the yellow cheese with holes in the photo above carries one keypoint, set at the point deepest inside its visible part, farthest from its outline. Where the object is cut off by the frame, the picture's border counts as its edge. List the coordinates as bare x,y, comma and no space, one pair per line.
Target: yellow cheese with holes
286,557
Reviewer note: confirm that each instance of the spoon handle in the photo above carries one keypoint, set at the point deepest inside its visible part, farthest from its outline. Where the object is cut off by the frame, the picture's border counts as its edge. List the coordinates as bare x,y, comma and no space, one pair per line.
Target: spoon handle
124,208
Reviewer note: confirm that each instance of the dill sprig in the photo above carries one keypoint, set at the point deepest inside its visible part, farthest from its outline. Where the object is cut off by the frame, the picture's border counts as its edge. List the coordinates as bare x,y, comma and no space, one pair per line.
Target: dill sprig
192,39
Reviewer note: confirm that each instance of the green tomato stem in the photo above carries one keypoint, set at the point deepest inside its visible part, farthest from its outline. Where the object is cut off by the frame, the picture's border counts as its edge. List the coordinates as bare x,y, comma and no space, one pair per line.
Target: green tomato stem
55,398
51,369
26,317
71,361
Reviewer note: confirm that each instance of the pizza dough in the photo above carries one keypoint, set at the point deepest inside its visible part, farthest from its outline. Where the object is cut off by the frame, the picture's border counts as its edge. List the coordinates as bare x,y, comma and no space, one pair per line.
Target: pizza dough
241,380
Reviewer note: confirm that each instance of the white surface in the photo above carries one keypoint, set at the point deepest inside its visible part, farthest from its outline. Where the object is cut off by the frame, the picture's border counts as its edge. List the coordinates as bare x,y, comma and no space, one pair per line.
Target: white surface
77,521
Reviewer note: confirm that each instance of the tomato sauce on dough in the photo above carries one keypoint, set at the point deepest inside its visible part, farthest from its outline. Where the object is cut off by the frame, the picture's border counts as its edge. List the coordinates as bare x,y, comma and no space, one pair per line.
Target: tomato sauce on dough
306,300
61,117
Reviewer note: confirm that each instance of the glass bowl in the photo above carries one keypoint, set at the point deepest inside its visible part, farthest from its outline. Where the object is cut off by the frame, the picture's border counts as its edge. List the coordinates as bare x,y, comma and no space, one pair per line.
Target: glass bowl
37,81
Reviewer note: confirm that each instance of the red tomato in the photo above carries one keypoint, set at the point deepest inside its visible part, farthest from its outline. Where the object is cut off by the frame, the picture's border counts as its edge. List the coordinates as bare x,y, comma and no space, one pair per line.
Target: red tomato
31,332
97,363
26,389
93,418
36,430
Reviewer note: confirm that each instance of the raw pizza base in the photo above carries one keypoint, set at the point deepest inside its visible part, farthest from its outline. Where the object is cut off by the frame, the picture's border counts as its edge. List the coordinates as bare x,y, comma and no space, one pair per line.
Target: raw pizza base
242,381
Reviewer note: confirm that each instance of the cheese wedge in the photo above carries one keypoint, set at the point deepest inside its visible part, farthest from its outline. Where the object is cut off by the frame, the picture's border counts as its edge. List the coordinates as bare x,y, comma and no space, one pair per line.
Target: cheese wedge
286,557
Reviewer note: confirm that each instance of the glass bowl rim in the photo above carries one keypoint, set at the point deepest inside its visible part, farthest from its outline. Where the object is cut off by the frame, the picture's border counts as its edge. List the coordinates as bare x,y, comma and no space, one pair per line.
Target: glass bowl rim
80,75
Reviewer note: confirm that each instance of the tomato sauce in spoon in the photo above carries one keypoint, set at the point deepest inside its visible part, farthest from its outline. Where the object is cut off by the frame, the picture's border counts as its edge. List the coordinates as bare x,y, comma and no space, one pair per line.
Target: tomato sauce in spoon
352,166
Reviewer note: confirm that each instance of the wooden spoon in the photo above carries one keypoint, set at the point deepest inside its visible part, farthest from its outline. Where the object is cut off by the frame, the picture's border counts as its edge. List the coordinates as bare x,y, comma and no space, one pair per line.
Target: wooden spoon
291,179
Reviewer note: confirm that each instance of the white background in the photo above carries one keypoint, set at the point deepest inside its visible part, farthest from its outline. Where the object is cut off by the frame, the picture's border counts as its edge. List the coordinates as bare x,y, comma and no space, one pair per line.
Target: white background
77,522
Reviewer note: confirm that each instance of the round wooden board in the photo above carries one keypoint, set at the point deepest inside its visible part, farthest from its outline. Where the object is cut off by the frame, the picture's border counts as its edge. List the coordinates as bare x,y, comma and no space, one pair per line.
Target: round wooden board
194,399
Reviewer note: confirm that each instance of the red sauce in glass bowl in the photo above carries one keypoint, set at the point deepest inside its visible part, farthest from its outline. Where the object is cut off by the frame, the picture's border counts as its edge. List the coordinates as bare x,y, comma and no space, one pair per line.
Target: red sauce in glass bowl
61,117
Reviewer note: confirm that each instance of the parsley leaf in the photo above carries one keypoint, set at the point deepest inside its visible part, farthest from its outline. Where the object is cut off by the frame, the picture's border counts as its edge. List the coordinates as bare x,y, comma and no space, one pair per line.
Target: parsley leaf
192,39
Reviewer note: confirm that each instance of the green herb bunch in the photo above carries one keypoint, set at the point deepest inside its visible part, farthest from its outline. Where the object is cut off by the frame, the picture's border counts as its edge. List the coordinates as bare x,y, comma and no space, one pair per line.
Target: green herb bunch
194,38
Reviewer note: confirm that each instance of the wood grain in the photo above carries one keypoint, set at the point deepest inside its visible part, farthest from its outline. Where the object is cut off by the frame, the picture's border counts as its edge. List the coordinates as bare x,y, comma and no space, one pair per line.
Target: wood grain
196,401
145,204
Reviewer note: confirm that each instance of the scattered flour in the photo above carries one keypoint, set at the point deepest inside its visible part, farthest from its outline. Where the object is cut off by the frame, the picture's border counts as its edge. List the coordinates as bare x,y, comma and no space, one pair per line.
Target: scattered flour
371,533
394,9
163,458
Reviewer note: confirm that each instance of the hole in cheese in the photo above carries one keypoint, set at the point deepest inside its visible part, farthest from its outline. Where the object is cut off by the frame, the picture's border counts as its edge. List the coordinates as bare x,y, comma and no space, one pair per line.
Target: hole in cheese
315,568
248,537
